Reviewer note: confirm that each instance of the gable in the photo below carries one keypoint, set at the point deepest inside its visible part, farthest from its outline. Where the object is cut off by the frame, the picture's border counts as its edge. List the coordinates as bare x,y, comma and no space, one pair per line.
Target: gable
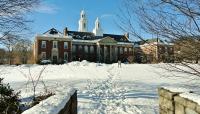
108,41
53,31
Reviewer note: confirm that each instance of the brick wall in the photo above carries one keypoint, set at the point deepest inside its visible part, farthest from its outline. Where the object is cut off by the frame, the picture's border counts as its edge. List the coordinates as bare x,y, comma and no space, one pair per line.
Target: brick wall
172,102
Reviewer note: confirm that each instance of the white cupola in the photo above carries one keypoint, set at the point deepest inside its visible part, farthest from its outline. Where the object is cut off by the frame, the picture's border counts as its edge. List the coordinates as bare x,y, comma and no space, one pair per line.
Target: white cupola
97,30
82,22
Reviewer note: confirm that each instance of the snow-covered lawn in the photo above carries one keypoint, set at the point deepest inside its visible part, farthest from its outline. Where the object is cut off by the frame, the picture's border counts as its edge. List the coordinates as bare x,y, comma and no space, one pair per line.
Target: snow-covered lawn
137,83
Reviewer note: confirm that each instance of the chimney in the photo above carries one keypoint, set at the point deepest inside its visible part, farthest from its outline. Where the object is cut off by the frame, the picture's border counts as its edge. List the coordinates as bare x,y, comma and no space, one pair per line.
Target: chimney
126,35
65,31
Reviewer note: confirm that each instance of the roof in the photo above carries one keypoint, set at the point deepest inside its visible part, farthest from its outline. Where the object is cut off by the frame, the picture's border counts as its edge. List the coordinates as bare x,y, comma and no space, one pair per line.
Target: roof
152,40
118,38
82,35
91,36
53,31
76,35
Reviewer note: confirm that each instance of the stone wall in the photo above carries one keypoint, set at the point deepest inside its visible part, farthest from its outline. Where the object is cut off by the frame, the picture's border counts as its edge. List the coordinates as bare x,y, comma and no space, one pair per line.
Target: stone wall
63,102
173,102
71,105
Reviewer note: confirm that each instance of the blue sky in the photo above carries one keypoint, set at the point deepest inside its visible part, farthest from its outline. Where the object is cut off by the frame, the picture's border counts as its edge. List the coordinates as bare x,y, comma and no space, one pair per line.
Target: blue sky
66,13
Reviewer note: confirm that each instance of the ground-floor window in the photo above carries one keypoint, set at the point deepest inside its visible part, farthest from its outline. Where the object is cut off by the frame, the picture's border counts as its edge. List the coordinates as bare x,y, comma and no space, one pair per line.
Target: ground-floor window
43,55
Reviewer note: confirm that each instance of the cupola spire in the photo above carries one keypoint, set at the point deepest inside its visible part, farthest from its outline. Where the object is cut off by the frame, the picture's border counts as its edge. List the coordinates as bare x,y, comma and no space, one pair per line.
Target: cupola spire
83,22
97,29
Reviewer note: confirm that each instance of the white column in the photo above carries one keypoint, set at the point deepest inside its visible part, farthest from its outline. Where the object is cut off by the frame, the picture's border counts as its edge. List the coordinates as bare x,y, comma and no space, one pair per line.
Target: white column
110,53
98,52
115,52
104,53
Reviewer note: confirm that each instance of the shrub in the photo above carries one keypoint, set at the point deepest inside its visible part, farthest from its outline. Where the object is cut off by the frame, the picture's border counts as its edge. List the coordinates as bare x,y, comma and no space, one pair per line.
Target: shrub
9,100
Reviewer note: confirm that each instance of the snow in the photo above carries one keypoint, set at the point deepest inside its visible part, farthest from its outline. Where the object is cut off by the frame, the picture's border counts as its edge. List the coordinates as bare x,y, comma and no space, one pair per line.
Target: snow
177,89
191,96
53,104
136,84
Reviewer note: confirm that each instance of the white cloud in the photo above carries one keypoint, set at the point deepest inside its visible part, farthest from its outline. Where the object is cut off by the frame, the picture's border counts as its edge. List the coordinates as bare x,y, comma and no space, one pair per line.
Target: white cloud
46,8
107,15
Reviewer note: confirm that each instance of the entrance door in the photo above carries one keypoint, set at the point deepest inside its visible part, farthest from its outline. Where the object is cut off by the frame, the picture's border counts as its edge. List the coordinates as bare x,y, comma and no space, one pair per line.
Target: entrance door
55,59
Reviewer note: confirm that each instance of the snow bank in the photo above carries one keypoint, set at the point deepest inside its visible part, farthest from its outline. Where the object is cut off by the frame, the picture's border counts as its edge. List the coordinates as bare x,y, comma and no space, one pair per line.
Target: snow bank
53,104
176,89
191,96
185,93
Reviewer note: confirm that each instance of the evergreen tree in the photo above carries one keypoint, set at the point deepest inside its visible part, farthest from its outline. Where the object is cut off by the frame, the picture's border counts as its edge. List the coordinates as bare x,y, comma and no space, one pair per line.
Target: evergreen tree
9,100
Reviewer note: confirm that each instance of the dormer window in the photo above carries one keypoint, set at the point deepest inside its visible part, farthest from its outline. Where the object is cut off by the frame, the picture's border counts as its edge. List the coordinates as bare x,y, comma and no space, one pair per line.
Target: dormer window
43,44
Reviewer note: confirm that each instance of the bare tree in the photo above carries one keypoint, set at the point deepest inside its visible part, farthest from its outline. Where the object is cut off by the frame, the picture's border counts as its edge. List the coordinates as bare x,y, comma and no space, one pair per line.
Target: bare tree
12,14
13,21
171,20
2,56
9,41
22,50
34,80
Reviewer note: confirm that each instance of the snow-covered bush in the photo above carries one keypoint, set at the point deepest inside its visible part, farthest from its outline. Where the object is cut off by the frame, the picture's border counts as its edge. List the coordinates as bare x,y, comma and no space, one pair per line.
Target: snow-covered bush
9,100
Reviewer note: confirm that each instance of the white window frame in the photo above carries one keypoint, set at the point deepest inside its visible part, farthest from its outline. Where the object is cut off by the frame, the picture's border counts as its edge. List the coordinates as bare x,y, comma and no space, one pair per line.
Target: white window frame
55,44
43,45
65,45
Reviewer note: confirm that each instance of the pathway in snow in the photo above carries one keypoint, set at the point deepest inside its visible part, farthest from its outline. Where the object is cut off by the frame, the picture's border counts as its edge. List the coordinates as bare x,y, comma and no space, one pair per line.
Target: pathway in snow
139,83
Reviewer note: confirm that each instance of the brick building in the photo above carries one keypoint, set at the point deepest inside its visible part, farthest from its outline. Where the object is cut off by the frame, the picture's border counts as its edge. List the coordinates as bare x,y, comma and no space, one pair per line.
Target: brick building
82,45
153,51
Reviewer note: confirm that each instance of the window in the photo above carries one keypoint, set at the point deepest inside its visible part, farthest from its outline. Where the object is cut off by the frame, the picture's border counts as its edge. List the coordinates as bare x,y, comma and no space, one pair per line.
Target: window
55,44
43,44
74,48
43,55
86,49
65,45
65,56
92,49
